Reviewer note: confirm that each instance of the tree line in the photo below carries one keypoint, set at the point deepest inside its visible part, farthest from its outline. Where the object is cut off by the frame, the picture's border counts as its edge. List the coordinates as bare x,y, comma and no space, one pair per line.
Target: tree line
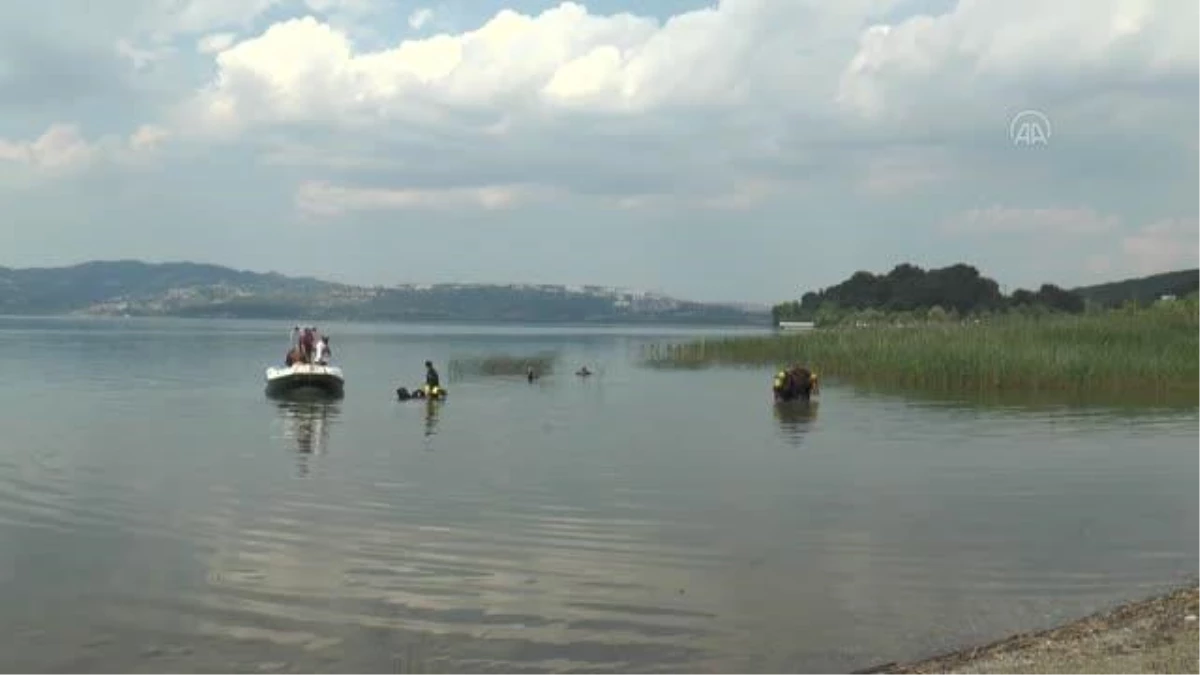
954,290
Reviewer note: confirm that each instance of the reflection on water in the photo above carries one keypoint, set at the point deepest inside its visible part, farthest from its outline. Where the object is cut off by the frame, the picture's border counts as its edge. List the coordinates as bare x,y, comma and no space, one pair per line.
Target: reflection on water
307,424
1108,403
432,409
795,418
648,521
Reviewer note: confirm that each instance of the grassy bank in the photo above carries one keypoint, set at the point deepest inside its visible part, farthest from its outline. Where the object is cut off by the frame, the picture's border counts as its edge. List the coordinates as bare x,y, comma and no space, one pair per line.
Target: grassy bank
1152,350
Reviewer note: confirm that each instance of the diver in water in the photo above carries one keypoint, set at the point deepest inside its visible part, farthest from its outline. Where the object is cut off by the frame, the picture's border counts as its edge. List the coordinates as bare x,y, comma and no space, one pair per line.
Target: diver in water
795,383
431,390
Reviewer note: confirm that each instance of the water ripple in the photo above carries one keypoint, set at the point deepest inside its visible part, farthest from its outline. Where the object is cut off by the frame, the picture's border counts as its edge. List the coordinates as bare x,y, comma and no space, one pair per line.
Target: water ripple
635,522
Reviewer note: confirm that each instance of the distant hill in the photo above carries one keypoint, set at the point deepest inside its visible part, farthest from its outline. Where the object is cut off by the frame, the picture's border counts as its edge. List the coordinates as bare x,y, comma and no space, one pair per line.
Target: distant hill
1141,289
134,288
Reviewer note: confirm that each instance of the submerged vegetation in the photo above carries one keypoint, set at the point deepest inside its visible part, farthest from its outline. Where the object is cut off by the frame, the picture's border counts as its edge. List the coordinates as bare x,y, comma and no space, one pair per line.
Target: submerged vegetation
1144,350
541,363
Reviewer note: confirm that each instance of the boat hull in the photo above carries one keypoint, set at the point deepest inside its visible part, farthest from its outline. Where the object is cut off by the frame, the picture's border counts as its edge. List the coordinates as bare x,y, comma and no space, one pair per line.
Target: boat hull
305,381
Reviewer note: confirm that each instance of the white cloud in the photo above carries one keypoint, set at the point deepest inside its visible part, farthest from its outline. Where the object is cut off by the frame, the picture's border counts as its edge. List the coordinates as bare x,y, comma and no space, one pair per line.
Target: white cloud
142,58
215,42
933,69
200,16
154,26
541,88
1049,222
148,137
739,195
796,109
419,18
318,198
351,7
728,79
59,150
1107,248
303,69
63,150
1162,246
903,172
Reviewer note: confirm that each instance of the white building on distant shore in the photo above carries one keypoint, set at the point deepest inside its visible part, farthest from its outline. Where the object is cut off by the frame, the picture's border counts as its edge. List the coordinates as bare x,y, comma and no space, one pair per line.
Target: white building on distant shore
796,325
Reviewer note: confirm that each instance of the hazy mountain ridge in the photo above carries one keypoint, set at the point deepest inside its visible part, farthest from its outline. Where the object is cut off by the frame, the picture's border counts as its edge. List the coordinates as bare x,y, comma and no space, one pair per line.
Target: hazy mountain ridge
1142,289
134,288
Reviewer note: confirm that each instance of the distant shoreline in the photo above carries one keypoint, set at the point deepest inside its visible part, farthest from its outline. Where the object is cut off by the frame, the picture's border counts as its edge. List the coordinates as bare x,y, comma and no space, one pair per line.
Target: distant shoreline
1153,635
188,290
765,328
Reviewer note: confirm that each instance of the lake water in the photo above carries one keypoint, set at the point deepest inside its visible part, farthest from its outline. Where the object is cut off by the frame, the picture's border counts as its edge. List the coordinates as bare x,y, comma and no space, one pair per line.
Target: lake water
159,513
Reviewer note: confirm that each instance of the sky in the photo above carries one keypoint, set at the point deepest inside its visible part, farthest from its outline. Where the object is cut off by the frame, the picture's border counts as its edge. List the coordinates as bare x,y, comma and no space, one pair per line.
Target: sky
740,150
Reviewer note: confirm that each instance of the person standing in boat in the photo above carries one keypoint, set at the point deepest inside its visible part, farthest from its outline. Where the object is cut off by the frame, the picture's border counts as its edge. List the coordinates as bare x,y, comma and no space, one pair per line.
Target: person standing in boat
293,351
307,338
323,351
432,381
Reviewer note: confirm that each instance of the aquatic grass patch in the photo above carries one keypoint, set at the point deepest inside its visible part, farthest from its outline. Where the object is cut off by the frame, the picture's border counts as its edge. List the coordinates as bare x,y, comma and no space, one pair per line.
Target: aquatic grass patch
1145,350
542,363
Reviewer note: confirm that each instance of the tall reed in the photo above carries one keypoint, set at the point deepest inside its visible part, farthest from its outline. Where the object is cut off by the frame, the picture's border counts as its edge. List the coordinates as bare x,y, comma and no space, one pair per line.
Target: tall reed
542,363
1151,349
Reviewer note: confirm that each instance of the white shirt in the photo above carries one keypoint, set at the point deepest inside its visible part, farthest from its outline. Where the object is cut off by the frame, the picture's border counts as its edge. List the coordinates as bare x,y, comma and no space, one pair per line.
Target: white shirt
320,349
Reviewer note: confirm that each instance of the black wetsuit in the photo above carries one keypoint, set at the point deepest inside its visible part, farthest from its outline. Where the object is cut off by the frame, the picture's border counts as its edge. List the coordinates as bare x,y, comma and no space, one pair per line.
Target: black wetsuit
431,377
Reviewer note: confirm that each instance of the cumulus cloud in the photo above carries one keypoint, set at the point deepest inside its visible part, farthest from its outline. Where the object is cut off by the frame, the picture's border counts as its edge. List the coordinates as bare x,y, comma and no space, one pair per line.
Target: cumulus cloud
933,68
564,57
563,87
60,149
732,72
306,70
63,150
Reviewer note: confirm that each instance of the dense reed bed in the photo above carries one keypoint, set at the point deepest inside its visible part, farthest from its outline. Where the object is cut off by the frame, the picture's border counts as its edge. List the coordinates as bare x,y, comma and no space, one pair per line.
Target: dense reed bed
1150,349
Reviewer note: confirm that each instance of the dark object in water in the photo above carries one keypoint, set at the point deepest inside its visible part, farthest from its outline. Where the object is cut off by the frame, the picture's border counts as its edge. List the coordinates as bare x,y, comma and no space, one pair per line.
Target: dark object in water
426,392
583,372
795,384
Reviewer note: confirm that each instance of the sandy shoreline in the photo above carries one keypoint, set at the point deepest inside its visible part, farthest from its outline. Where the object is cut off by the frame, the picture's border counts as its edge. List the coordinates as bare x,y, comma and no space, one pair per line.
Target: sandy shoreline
1156,635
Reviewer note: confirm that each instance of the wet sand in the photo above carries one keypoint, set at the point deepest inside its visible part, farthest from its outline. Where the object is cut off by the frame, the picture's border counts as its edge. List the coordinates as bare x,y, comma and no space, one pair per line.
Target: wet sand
1157,635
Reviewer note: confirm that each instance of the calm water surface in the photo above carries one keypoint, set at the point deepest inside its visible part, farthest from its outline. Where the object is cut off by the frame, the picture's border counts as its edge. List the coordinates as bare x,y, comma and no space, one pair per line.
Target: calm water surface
158,513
